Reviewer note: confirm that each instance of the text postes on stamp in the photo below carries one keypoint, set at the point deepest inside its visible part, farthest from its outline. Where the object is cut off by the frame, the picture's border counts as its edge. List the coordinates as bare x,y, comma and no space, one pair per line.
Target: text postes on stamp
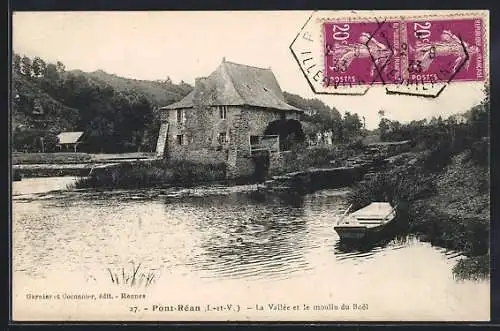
360,53
439,49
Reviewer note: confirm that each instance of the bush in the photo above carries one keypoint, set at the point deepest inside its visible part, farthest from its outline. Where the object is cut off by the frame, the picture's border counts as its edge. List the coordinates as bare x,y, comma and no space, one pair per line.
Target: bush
357,146
399,186
467,235
475,268
32,140
479,152
315,157
439,157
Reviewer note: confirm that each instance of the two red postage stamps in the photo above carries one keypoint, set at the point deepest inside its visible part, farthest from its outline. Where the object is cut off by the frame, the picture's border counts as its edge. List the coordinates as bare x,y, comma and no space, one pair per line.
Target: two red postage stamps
405,52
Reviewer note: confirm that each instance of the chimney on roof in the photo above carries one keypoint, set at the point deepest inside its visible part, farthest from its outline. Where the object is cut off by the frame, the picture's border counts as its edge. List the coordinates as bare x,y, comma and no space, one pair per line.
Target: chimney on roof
224,59
198,81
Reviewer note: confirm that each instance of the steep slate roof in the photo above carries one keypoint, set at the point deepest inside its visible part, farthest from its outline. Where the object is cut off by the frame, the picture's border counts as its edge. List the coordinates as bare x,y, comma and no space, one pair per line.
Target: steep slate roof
235,84
69,137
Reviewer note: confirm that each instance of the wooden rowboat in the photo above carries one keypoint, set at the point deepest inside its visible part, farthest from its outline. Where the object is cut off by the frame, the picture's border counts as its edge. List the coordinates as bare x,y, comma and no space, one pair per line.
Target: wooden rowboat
365,222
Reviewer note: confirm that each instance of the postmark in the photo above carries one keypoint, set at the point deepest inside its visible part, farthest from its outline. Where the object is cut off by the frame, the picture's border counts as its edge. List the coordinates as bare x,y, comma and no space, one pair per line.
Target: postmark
308,50
411,53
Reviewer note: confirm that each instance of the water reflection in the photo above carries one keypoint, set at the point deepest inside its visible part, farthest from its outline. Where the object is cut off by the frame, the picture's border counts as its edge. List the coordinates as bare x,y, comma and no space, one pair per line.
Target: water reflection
215,231
250,234
215,234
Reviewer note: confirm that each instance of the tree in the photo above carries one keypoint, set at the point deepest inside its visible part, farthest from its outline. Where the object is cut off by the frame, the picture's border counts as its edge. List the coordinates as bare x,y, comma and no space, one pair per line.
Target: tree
39,67
16,63
320,117
60,67
34,140
351,125
51,72
486,100
479,116
384,128
26,69
50,142
310,131
184,88
478,120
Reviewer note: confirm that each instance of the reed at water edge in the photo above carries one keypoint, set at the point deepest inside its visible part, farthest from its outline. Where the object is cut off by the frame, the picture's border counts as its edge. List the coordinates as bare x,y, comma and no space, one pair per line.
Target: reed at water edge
133,276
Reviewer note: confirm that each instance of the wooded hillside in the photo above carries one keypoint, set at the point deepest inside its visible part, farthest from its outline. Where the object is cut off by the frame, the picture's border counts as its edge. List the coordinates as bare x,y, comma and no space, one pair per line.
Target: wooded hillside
119,114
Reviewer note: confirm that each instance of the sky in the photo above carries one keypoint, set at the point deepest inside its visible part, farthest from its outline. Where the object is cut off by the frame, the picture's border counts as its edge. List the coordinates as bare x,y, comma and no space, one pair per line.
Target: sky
185,45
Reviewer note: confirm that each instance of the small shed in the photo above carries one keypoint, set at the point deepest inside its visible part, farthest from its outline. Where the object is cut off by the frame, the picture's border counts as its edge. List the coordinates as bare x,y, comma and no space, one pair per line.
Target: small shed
69,139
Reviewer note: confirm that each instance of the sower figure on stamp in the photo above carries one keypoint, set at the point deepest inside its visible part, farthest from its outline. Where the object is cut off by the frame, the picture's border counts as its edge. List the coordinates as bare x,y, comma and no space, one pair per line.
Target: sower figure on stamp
367,47
450,44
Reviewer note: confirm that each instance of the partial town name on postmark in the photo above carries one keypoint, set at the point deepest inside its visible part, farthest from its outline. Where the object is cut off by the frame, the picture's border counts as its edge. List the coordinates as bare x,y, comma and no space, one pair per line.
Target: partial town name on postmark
407,52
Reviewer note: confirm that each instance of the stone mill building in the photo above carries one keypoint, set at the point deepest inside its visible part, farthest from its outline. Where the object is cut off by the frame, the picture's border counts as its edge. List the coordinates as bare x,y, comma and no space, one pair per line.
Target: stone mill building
224,119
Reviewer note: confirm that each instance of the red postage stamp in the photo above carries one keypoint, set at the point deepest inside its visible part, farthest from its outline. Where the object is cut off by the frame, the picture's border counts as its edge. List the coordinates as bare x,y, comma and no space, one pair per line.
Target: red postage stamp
407,50
360,52
440,50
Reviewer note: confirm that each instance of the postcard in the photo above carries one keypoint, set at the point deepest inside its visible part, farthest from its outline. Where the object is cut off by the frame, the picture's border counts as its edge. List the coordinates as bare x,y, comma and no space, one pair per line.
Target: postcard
250,166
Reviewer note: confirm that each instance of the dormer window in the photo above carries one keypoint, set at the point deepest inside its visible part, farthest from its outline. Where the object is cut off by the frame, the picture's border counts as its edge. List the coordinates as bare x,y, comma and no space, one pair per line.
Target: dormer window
222,112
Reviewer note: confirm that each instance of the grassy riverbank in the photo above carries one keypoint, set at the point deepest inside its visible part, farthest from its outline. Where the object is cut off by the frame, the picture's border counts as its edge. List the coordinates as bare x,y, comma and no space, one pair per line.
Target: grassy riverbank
447,205
50,158
155,173
70,157
443,187
50,170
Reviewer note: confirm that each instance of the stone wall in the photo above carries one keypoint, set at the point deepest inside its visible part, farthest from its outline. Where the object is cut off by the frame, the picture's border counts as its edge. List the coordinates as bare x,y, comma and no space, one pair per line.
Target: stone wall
201,129
282,162
251,121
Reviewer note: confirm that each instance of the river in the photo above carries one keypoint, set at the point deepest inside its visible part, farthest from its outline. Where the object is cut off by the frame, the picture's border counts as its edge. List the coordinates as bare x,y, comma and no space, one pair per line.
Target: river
221,245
